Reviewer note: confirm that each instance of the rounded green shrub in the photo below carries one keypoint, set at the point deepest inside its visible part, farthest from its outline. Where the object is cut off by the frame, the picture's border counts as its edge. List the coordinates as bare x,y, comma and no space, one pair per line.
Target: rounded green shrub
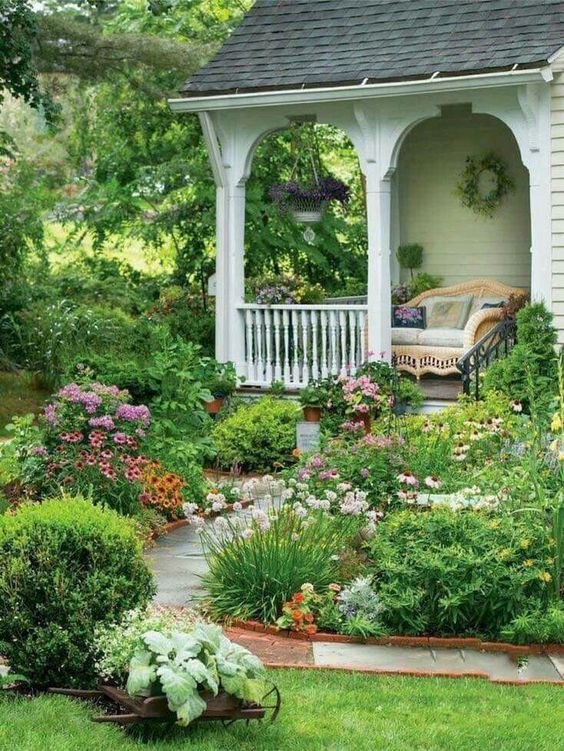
530,371
449,572
258,436
66,566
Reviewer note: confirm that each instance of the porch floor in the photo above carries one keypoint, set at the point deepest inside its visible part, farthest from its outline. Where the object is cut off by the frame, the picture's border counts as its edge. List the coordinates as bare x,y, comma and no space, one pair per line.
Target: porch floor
435,388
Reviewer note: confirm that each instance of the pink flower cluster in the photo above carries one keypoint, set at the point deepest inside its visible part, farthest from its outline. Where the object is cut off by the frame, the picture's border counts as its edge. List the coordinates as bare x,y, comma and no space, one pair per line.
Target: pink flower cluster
134,413
361,394
92,428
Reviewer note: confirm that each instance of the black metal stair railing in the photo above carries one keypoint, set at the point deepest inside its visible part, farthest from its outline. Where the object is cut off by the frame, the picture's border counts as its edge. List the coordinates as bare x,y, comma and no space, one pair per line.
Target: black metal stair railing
498,342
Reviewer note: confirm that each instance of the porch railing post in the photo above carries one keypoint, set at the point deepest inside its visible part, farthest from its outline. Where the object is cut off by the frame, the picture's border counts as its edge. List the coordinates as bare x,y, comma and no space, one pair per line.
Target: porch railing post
378,209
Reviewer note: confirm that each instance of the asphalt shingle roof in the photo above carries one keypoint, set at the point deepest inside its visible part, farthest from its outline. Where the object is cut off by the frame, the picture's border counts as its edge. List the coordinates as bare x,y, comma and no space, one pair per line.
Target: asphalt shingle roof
284,44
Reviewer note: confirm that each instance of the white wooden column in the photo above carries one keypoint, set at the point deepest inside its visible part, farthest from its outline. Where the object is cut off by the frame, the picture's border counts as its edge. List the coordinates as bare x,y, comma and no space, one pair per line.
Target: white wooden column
378,209
540,200
230,243
535,145
235,251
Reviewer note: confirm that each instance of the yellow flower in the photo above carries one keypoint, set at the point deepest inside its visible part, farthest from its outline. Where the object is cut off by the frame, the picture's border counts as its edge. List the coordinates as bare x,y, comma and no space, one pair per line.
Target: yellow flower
528,563
556,423
494,524
524,543
504,553
545,576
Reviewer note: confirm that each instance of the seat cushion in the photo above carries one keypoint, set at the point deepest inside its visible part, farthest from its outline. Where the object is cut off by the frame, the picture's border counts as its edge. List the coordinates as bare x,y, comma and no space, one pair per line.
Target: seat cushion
405,336
445,312
441,338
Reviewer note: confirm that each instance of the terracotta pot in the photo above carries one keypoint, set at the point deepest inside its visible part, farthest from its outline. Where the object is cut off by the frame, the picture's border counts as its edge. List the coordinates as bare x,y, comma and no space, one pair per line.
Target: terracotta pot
312,414
366,420
213,407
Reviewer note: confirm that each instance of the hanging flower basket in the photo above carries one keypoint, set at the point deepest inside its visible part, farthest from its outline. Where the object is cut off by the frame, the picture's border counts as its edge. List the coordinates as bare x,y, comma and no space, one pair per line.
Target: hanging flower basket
307,204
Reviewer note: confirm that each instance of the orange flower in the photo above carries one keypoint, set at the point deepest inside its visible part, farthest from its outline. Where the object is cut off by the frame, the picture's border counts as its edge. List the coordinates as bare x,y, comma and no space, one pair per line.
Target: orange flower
308,617
296,453
310,629
296,615
298,597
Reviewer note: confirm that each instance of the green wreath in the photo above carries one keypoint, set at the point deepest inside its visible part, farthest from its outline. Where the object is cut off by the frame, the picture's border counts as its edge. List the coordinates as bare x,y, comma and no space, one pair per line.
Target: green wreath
468,189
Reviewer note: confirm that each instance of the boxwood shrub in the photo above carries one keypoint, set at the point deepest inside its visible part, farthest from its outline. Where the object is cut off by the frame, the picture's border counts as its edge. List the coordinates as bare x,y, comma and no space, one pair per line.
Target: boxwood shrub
258,436
448,572
65,567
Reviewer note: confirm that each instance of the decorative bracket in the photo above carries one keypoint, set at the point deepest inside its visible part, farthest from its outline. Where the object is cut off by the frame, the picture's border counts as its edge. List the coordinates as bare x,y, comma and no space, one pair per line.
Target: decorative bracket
529,101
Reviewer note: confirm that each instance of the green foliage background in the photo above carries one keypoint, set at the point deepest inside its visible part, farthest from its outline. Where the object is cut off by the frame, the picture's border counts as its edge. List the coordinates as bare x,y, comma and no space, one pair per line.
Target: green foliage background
115,165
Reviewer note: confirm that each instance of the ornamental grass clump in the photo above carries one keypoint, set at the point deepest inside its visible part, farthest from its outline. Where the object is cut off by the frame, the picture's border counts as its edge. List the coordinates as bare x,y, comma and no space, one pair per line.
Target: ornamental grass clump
254,569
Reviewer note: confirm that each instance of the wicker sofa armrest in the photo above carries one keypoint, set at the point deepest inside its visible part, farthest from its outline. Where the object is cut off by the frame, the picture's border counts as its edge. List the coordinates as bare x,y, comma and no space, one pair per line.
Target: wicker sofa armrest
479,324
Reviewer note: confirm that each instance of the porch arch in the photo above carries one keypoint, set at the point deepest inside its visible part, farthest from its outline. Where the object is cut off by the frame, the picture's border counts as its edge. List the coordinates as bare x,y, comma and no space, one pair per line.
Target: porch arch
459,244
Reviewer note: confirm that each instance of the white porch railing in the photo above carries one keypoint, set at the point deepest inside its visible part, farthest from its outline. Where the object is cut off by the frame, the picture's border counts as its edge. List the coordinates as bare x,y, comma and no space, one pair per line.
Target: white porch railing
297,344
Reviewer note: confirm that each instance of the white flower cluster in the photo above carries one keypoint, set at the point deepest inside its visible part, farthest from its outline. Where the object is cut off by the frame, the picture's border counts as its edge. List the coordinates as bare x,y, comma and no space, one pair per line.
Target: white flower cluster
354,503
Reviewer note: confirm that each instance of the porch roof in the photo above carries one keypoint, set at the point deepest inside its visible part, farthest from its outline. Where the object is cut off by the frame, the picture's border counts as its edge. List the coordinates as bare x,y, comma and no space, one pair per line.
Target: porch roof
291,44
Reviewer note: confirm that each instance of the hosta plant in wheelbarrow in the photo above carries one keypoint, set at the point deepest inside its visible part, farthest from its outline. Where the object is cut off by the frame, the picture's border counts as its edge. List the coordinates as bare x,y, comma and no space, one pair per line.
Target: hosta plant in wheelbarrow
181,670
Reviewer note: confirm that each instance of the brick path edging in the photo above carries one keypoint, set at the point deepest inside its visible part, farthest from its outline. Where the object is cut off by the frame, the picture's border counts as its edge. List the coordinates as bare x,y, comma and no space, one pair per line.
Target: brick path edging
516,650
349,669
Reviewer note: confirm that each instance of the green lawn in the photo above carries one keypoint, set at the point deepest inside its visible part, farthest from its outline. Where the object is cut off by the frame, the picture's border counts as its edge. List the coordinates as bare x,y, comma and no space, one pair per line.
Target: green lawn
323,710
18,396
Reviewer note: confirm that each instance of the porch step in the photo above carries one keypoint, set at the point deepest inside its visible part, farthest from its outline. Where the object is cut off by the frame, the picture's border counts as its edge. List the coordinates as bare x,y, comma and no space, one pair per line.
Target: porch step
430,406
441,389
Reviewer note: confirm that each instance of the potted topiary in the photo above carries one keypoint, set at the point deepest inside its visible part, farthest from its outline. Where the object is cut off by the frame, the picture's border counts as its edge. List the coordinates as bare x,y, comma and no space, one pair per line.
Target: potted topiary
312,399
410,256
221,382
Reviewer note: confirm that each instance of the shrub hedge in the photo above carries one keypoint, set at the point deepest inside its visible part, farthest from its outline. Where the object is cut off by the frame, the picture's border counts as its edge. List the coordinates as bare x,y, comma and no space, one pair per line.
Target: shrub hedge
65,567
258,436
466,572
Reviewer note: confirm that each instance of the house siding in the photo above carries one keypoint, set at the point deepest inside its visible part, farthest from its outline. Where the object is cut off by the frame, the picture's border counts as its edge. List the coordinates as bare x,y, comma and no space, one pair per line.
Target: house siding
557,187
460,245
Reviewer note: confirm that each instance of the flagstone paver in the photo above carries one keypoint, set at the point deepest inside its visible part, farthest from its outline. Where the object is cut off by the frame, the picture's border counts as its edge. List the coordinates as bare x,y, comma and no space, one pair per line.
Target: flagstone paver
280,651
558,662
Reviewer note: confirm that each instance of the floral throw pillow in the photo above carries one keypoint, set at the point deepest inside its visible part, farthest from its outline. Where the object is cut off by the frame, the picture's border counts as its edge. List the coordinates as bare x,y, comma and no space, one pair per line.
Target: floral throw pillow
408,318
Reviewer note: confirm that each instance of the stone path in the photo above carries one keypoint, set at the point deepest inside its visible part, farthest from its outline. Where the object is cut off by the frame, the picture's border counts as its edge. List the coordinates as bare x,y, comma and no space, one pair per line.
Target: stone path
178,563
278,651
178,560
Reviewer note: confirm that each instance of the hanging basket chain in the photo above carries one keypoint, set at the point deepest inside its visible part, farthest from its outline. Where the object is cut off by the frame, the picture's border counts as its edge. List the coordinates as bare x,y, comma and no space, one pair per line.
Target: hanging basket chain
306,199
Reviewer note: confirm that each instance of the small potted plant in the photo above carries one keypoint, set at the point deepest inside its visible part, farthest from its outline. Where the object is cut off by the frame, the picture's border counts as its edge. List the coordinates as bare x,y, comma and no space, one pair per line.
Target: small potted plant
312,399
221,382
307,202
408,397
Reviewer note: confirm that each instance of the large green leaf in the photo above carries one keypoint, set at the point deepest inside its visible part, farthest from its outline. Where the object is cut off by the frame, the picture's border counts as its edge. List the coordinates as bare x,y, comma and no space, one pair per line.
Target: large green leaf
191,709
141,673
177,684
185,646
209,635
158,643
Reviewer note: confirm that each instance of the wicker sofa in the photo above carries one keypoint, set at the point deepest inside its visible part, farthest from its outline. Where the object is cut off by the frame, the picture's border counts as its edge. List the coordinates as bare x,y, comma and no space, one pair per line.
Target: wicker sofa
437,350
